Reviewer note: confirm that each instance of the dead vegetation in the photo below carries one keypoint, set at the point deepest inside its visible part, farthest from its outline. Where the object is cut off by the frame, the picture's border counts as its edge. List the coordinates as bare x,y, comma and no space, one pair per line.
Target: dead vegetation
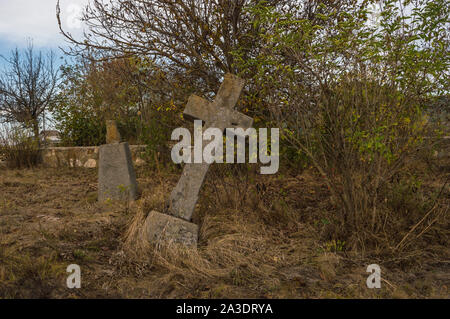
260,237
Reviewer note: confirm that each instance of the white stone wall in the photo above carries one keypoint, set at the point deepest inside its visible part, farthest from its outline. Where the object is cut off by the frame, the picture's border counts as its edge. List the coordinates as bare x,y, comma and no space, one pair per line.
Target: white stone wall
83,156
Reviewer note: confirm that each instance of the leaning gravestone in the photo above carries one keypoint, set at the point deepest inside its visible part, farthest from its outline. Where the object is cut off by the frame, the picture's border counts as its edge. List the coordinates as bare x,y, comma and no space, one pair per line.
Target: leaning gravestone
176,225
116,176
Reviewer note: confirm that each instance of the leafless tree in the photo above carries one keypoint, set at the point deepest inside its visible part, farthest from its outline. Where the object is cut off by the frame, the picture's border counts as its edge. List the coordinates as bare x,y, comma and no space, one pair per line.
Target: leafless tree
28,86
190,37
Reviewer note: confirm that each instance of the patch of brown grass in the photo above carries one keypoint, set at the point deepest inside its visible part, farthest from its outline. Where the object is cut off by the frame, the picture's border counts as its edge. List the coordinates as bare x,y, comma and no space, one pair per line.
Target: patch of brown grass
273,240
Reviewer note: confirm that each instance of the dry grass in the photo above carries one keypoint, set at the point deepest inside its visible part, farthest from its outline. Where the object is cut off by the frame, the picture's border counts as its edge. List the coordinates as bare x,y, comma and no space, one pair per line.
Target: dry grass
273,240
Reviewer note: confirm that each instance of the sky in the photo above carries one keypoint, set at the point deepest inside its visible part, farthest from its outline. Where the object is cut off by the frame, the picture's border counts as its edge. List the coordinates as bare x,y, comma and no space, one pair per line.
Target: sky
22,20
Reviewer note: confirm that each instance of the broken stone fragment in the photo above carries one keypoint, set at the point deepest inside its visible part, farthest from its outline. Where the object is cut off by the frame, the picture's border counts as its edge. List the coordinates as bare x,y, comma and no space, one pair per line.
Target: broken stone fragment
112,133
169,229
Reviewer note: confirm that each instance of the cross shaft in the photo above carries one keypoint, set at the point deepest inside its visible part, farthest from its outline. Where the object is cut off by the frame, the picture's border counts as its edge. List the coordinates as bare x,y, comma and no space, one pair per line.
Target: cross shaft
218,114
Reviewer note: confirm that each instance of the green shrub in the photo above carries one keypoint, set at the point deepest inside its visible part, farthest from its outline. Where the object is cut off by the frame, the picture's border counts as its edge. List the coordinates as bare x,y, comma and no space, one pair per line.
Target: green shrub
350,95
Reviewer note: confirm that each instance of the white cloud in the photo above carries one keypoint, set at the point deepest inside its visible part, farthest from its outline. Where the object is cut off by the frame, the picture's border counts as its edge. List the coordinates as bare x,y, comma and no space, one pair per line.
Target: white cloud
36,19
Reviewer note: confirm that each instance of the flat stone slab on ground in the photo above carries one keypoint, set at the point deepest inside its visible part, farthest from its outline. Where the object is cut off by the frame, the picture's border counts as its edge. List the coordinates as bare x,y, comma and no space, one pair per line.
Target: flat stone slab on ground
170,229
116,176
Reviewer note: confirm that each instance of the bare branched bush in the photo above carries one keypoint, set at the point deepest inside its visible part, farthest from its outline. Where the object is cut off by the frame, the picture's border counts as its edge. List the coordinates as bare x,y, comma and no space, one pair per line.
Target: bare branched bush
191,38
230,184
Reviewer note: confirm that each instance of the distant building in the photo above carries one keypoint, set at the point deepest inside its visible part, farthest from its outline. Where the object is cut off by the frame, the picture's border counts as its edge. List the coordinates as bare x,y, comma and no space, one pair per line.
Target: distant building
50,137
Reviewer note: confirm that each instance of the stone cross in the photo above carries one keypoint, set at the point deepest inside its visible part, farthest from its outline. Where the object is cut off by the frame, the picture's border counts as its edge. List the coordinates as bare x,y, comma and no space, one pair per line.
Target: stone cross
175,226
218,114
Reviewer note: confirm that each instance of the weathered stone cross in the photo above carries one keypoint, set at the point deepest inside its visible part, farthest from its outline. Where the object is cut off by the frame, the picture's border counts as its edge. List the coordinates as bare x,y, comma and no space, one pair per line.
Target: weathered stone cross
218,114
175,226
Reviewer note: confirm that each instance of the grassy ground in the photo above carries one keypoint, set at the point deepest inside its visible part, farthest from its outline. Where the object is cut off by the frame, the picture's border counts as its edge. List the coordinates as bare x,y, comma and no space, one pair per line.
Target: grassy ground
262,237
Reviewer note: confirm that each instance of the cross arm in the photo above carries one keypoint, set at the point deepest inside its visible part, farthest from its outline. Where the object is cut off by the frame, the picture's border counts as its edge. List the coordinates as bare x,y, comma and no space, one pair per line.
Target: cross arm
199,108
237,119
